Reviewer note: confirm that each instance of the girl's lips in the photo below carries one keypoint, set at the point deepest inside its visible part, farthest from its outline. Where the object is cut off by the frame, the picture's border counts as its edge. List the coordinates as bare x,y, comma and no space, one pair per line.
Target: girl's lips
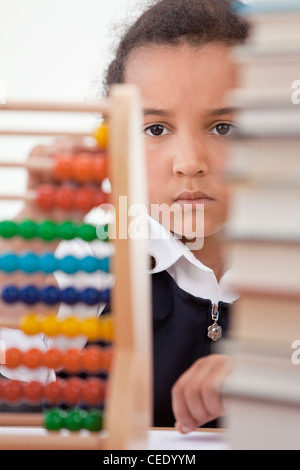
193,199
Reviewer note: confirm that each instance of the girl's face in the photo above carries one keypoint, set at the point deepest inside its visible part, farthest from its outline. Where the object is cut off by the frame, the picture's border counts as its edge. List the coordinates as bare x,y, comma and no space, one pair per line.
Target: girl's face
187,121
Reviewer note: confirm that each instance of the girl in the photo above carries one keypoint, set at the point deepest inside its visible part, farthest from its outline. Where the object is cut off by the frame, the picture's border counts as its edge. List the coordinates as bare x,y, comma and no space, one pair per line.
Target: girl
178,53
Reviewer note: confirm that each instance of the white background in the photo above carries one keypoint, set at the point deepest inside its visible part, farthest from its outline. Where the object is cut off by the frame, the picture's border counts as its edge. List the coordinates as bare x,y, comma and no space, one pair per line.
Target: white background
52,50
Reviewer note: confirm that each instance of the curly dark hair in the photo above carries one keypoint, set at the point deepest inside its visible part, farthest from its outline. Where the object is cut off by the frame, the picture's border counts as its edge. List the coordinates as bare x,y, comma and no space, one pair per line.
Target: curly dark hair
196,22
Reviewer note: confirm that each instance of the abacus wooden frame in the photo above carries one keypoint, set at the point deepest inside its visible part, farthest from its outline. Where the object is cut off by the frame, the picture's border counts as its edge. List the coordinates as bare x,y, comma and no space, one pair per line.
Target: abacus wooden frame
128,415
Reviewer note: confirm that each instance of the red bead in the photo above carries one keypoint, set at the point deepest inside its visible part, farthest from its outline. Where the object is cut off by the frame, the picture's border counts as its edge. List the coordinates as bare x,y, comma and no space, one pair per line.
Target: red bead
108,359
33,358
94,391
64,198
33,391
45,197
72,361
13,391
82,170
84,199
54,391
2,385
92,359
100,169
53,359
100,198
63,167
13,358
73,390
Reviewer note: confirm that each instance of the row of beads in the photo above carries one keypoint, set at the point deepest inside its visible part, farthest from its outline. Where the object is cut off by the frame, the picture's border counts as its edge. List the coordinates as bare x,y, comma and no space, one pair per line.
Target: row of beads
73,420
91,391
82,168
92,359
49,231
52,295
48,263
94,329
69,198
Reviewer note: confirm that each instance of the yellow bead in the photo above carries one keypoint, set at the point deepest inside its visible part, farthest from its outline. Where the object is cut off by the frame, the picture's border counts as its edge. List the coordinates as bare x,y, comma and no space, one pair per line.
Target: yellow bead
50,326
101,136
70,326
91,329
31,325
108,329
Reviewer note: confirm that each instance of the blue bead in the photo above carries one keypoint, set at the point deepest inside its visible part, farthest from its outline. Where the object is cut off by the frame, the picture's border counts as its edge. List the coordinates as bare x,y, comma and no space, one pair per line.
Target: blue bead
88,264
105,296
29,295
103,265
28,262
9,262
48,263
89,296
50,295
10,294
69,264
69,295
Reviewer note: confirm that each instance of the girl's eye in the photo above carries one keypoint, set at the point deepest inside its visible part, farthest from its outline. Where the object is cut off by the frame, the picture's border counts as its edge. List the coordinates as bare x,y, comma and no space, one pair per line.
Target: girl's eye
156,130
223,129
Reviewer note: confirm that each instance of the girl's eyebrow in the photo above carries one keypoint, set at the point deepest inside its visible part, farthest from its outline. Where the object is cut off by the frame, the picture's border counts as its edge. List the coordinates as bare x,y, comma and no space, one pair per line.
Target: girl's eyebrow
156,112
222,111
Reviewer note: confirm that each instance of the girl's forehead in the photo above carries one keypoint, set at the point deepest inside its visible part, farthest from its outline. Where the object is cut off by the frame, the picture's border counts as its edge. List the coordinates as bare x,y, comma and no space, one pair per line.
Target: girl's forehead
173,74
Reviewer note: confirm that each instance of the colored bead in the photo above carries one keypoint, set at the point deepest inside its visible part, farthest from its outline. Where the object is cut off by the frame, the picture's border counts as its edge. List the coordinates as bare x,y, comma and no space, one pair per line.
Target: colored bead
30,325
100,198
10,294
102,233
73,391
29,295
94,391
92,359
27,229
13,391
45,197
8,262
87,232
83,169
46,230
69,295
75,419
63,167
70,327
53,358
101,136
33,391
53,391
66,230
28,262
72,361
93,422
68,264
33,358
50,326
100,169
54,419
91,328
84,199
48,263
89,296
50,295
64,198
7,229
108,329
13,358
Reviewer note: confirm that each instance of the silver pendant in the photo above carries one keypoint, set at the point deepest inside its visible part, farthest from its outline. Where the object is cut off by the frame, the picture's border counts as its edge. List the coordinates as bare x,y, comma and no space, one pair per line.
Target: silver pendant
215,331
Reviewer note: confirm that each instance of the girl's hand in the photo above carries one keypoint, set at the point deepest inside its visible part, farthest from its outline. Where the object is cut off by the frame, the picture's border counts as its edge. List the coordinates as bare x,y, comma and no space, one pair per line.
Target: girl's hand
196,396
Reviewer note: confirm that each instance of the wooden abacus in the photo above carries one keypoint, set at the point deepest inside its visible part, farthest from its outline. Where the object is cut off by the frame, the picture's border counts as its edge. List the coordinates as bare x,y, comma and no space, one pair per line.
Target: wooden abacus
128,409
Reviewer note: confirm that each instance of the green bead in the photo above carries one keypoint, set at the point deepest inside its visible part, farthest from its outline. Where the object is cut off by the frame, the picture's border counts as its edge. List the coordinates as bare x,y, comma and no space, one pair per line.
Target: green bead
87,232
94,421
75,419
7,229
66,230
54,419
102,233
27,229
47,230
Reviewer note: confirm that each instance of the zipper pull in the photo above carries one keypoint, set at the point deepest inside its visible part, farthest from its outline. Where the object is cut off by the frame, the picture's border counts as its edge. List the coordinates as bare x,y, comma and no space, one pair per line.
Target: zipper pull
215,331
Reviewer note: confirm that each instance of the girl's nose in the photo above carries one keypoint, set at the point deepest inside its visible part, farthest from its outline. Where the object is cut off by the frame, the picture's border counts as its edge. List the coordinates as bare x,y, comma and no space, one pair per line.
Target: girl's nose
191,158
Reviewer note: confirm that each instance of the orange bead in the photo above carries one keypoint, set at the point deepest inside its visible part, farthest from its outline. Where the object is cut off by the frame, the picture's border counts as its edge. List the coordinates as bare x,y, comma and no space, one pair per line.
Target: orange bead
72,361
63,164
13,390
33,358
83,170
13,358
100,169
93,359
108,359
53,358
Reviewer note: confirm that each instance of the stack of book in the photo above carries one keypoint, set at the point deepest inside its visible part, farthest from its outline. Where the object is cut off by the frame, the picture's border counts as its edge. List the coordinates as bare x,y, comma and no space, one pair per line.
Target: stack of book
263,234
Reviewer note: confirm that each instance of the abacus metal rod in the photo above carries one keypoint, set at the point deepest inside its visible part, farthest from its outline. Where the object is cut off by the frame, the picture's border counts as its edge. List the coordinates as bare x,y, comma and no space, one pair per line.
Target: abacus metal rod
39,133
44,106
